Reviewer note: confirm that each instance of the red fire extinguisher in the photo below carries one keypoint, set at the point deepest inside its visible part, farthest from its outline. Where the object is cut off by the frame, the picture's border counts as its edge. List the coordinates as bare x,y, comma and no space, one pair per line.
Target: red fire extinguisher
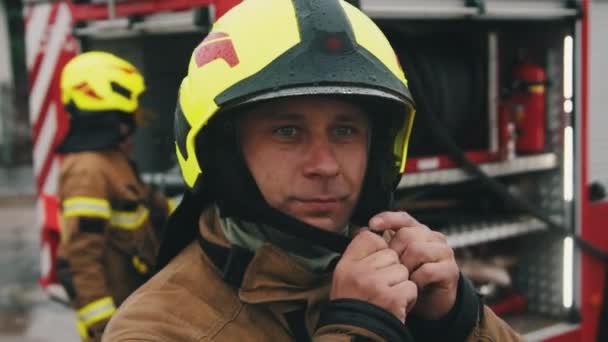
522,113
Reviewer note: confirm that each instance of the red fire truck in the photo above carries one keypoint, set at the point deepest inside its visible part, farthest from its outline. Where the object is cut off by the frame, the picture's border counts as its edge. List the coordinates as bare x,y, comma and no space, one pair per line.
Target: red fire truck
507,156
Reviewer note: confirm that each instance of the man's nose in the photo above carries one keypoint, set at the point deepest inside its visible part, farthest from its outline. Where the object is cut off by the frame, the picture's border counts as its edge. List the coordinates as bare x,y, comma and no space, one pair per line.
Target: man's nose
321,160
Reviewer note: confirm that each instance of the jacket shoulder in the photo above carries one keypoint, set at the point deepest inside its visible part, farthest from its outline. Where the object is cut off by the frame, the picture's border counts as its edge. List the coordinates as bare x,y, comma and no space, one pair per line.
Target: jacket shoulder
84,174
84,164
86,160
185,301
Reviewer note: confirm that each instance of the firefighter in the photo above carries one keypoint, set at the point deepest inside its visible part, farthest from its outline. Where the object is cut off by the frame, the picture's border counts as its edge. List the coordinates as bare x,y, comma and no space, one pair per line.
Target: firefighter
111,221
292,141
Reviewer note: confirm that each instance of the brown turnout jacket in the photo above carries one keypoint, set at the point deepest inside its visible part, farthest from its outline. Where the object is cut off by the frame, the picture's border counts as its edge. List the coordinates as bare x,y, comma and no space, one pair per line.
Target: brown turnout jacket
276,299
109,236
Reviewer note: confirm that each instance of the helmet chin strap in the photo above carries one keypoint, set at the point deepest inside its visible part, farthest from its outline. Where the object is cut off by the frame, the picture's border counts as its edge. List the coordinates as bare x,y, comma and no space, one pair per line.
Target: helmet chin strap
257,210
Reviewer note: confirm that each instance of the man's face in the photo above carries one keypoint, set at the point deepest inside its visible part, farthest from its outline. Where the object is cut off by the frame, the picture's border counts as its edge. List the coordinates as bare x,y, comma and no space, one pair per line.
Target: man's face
308,156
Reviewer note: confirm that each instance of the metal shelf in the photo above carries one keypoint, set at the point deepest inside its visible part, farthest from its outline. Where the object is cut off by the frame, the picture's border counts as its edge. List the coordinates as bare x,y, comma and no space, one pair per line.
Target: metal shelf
463,235
517,165
159,178
458,9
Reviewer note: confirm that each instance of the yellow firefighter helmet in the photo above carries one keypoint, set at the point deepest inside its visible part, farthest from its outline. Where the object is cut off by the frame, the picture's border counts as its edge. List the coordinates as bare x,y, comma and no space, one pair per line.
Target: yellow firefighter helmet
101,93
263,49
100,81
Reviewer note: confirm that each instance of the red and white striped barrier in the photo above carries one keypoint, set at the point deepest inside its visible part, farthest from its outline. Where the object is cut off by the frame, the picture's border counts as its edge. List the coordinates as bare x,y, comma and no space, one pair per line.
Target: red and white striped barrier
49,46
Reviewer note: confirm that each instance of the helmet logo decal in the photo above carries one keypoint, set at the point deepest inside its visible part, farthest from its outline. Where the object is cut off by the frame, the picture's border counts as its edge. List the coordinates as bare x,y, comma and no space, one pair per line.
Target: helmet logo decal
85,88
126,69
216,45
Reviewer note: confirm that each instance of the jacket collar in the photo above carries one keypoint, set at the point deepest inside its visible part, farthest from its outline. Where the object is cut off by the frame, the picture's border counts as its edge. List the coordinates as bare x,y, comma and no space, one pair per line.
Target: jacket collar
272,275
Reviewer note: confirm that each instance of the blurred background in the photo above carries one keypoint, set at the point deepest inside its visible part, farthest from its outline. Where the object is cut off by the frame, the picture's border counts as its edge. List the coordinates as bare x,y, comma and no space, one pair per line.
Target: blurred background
26,314
508,154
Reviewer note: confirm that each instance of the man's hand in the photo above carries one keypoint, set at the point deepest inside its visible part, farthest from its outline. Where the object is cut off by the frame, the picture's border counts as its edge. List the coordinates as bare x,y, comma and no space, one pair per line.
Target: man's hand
370,271
428,257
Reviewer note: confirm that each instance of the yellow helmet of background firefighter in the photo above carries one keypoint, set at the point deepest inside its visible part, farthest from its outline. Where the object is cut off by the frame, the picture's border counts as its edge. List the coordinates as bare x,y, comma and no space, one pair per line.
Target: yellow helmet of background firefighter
100,81
263,49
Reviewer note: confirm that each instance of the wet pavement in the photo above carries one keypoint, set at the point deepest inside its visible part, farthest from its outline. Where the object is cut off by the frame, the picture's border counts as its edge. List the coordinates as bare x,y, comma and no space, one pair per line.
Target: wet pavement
26,313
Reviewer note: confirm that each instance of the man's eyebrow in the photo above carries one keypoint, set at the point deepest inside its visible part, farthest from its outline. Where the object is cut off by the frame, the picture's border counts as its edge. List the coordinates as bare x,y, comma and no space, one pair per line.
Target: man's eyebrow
295,116
351,118
284,116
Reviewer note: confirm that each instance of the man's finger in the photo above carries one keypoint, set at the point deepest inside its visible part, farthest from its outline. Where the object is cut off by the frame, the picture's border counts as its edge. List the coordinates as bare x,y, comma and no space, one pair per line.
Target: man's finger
382,259
359,231
433,273
392,275
363,245
408,235
419,254
391,220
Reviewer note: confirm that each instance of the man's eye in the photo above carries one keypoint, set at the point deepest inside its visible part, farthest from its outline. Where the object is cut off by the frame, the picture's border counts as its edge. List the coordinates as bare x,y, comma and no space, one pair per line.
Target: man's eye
344,131
287,131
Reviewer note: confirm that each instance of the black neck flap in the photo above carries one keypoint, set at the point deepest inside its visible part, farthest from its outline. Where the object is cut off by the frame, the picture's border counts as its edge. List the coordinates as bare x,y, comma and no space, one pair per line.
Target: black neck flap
94,130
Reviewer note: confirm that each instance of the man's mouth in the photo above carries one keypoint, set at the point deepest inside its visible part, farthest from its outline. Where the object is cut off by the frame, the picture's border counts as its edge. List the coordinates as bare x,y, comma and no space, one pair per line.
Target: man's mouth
321,204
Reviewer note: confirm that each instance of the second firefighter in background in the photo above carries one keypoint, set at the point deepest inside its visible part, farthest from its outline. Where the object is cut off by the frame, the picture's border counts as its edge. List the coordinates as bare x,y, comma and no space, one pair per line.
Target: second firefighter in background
111,220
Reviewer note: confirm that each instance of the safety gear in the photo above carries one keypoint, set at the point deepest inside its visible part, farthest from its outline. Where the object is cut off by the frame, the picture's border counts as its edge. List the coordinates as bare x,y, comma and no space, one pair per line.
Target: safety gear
323,48
110,234
273,297
100,91
524,108
97,81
